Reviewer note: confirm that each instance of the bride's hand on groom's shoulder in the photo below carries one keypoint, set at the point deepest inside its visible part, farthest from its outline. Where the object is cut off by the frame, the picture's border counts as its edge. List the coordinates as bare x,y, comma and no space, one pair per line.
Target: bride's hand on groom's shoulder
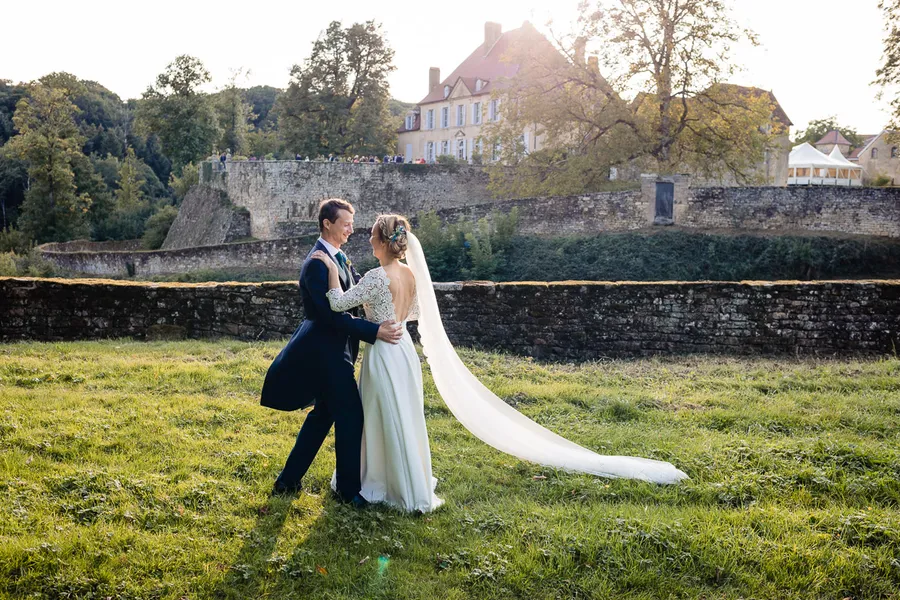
390,332
318,254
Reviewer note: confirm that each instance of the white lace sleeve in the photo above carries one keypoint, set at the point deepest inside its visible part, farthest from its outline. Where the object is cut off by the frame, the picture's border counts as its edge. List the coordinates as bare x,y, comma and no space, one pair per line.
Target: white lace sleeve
414,309
362,292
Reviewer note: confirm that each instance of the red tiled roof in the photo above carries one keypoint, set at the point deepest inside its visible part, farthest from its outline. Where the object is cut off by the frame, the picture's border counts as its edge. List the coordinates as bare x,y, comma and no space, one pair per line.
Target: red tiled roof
415,127
833,137
487,64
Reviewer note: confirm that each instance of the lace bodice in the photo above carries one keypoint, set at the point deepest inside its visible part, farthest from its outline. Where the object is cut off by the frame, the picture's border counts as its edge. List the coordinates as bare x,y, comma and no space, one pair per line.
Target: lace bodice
374,293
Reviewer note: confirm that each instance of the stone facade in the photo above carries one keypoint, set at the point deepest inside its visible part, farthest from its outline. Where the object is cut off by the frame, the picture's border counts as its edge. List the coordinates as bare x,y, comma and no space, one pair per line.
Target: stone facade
283,196
880,157
556,321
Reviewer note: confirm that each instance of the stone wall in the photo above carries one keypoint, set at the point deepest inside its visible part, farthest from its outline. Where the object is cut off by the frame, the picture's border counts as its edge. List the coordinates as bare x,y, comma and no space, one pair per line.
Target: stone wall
559,321
283,196
864,211
585,214
271,255
206,217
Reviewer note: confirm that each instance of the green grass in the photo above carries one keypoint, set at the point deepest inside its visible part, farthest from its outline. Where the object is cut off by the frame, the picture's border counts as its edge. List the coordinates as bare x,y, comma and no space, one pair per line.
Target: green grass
142,470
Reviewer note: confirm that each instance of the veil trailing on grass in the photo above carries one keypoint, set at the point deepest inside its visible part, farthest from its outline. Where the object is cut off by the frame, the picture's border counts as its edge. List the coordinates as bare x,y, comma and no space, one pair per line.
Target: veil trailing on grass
496,423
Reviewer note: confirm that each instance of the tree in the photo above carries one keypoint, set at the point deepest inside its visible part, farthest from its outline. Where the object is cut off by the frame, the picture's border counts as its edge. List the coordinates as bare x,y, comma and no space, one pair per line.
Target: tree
337,100
262,100
13,183
129,196
888,76
235,115
49,142
675,56
9,96
179,114
102,117
817,129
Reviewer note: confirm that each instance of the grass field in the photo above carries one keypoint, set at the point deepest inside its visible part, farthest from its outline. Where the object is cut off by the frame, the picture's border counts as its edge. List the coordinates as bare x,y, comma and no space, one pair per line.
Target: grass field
142,470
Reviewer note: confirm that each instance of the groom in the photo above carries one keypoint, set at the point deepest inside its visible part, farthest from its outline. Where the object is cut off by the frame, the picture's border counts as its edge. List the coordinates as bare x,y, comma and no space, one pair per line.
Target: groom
316,366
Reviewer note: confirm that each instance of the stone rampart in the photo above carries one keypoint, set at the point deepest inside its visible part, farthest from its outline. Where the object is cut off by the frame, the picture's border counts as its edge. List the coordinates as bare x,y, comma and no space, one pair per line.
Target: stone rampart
283,197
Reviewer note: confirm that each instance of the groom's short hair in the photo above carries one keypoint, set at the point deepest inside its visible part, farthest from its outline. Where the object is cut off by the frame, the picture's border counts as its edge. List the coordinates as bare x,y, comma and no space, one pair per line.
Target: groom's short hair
328,209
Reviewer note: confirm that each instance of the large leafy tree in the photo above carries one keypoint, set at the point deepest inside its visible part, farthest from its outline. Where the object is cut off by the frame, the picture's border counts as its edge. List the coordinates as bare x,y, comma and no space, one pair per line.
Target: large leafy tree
179,114
235,116
49,142
888,76
673,57
9,96
817,129
337,100
262,100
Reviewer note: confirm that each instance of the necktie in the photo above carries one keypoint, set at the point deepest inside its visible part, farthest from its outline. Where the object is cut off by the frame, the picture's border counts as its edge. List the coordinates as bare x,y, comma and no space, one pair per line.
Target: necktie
342,261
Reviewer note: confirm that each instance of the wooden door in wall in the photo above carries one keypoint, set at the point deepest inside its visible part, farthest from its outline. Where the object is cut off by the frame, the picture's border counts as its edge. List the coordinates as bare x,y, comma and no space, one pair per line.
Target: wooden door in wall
408,157
665,200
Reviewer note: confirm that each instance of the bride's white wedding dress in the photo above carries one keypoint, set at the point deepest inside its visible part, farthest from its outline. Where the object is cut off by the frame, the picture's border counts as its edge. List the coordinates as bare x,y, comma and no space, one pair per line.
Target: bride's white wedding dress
396,458
396,462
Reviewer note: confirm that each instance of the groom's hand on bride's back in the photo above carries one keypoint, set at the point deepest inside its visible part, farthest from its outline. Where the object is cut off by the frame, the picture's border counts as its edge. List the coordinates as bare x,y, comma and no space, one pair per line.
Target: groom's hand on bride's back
390,332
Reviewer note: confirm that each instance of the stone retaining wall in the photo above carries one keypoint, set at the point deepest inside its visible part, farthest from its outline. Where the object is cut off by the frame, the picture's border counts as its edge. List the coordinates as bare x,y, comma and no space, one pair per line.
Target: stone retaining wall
271,255
559,321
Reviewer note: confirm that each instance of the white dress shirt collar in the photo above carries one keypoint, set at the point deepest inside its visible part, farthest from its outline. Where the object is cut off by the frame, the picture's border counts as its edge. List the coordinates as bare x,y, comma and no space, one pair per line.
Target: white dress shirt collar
331,249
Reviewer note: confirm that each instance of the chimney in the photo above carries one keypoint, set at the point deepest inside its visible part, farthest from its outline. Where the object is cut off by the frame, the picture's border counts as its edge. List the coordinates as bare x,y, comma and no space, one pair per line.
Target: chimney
434,78
580,44
492,33
593,64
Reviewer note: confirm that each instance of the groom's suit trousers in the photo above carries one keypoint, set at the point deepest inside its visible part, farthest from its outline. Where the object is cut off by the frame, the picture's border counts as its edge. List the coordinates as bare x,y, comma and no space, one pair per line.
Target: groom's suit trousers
337,403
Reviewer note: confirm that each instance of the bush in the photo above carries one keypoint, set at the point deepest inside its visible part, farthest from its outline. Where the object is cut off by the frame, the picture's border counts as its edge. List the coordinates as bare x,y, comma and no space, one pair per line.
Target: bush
449,159
462,251
190,176
31,264
14,240
688,256
8,264
881,181
157,227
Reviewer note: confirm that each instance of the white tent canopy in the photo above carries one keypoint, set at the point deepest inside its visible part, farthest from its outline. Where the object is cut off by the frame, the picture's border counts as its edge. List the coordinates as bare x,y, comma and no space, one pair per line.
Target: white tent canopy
808,166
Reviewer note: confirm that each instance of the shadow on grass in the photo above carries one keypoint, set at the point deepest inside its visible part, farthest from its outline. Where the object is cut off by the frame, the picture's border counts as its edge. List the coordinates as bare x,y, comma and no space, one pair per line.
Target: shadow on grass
339,535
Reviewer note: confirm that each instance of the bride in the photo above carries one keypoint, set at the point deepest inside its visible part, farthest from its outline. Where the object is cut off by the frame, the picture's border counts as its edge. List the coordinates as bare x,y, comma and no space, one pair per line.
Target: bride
396,458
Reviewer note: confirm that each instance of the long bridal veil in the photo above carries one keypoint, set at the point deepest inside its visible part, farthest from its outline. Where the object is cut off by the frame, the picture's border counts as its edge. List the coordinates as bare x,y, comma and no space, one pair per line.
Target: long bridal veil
496,423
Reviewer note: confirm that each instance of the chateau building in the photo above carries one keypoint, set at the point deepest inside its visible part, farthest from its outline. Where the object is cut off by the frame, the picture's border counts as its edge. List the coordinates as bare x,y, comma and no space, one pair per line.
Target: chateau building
879,156
450,118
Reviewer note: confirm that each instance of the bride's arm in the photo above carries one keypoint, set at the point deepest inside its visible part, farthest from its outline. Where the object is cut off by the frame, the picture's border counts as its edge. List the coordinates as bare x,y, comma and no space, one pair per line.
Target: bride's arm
341,301
414,309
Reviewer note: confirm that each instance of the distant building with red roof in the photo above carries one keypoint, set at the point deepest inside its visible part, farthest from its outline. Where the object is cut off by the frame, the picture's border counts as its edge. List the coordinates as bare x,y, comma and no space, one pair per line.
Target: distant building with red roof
448,120
830,140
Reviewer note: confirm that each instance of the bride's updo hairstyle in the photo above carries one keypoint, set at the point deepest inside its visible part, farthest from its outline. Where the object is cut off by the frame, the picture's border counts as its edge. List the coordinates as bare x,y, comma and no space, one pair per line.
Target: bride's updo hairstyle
392,230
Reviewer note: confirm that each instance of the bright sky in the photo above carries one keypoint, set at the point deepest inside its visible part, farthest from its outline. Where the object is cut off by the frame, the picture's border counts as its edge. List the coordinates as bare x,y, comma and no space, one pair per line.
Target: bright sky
817,56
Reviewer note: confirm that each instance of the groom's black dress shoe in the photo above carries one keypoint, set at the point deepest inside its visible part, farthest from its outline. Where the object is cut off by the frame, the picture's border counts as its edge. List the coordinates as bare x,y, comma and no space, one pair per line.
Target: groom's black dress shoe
359,502
281,489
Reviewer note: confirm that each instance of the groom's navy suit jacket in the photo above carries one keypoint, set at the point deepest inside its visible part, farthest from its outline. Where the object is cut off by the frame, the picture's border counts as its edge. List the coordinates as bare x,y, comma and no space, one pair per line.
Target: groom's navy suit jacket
320,344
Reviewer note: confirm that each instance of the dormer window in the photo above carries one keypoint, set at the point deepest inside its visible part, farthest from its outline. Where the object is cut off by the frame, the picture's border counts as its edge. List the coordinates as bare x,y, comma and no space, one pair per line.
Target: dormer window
478,85
409,121
446,91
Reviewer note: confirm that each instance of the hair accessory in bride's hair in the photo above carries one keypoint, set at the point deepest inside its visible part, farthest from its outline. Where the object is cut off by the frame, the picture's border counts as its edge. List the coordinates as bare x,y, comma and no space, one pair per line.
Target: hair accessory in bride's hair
398,232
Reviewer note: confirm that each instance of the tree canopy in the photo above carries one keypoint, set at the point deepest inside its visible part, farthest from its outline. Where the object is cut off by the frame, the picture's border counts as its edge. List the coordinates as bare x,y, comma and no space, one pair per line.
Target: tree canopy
673,58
